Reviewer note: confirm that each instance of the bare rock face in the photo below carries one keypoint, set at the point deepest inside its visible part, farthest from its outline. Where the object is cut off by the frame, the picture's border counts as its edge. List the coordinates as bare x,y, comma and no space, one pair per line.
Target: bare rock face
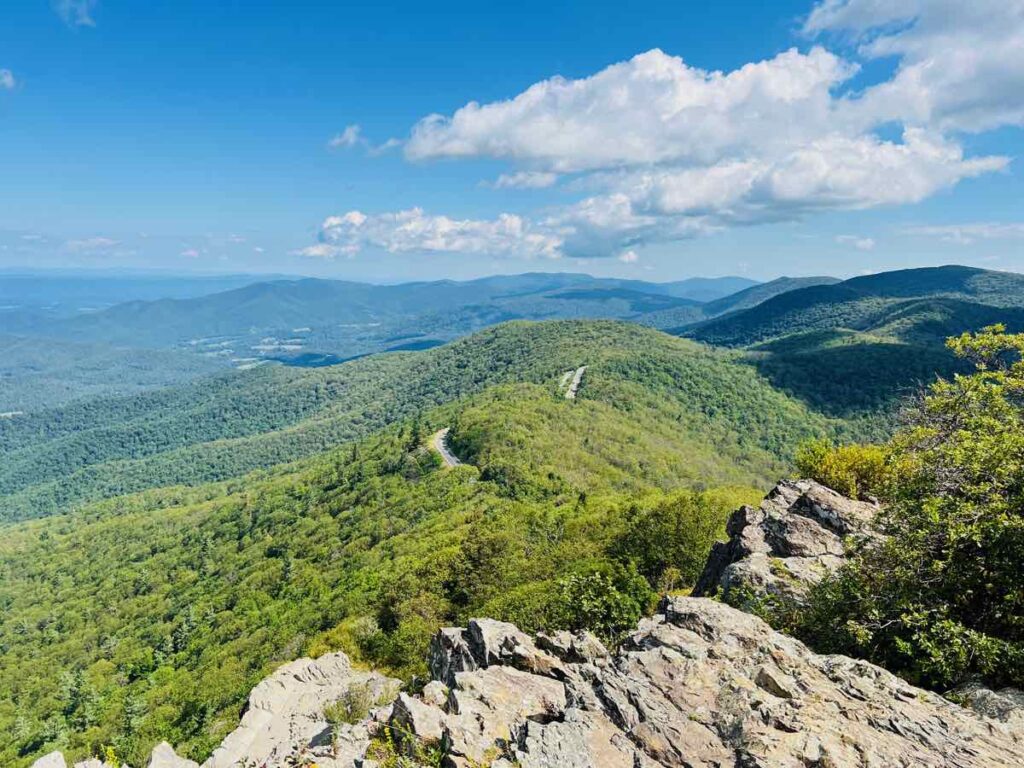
164,756
801,532
1006,705
698,685
285,714
701,685
52,760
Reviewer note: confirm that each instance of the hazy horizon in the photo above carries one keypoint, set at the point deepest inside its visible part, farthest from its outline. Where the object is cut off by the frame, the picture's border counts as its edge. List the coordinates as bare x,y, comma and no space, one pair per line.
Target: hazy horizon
383,144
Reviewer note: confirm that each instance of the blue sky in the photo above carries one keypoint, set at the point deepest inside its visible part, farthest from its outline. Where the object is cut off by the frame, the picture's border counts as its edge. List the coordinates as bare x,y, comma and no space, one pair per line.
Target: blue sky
763,138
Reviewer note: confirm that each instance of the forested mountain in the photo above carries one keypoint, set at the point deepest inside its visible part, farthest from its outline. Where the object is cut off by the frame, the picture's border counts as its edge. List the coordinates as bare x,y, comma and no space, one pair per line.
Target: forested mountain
194,537
150,616
855,349
40,373
232,424
889,302
279,307
244,323
66,293
755,294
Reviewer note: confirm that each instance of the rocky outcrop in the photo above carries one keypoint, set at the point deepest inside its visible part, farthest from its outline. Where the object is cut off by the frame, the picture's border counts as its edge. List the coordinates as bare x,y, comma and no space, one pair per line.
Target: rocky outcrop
700,684
777,551
52,760
285,715
164,756
1006,705
284,723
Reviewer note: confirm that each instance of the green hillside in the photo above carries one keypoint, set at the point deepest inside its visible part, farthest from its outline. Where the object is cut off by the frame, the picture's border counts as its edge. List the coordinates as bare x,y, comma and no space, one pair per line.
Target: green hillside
221,428
150,616
905,302
756,294
855,350
36,374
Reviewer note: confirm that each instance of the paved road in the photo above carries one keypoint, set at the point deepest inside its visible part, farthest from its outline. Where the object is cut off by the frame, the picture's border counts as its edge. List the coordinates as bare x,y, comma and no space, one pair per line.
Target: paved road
574,385
439,442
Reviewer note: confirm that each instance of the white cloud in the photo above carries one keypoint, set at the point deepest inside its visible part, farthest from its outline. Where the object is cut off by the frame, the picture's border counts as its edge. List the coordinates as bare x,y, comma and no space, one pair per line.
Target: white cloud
347,139
965,234
961,62
526,180
653,108
90,245
190,253
860,243
325,251
664,150
7,81
75,13
629,257
415,231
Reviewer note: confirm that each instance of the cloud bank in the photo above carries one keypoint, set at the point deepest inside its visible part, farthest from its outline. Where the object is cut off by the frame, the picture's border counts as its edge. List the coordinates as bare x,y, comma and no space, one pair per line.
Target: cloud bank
667,151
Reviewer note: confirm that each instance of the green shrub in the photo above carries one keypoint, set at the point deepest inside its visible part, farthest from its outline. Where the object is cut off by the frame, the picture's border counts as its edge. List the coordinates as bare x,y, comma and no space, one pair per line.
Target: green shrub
852,470
941,600
668,539
608,599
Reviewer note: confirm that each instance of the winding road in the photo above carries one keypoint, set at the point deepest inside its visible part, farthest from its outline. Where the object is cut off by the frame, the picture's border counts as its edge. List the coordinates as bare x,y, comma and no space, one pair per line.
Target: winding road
574,385
439,442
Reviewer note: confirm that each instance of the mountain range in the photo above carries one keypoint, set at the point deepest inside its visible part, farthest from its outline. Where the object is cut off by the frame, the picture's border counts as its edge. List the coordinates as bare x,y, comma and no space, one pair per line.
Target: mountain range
164,548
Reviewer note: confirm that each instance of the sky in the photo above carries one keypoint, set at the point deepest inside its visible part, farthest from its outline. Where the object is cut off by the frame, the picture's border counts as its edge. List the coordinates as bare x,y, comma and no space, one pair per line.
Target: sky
397,141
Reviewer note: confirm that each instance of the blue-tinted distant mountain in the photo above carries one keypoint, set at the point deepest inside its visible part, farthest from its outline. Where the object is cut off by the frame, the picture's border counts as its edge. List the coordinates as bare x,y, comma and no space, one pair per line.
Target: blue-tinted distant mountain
755,294
39,373
283,319
705,289
65,293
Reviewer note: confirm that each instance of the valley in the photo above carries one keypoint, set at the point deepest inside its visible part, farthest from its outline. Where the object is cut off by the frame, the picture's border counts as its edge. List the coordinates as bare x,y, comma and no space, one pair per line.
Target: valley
163,550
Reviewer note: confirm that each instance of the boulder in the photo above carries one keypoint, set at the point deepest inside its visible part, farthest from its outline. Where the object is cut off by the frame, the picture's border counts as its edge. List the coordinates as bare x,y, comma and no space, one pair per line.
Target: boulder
801,532
164,756
52,760
484,643
1006,705
704,685
285,714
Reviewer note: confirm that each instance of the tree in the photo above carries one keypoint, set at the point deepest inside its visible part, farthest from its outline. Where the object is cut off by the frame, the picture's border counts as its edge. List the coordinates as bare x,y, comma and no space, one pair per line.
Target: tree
942,600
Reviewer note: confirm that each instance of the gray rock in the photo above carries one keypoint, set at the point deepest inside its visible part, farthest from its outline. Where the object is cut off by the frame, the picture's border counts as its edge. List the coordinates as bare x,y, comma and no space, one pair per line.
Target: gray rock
1006,705
164,756
703,685
581,647
285,713
801,532
449,654
52,760
486,642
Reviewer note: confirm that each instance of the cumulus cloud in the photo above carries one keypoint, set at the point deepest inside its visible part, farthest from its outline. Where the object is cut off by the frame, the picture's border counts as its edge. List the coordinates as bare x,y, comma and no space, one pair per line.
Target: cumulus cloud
653,108
629,257
326,251
860,243
961,64
526,180
966,234
76,13
663,150
7,81
413,230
